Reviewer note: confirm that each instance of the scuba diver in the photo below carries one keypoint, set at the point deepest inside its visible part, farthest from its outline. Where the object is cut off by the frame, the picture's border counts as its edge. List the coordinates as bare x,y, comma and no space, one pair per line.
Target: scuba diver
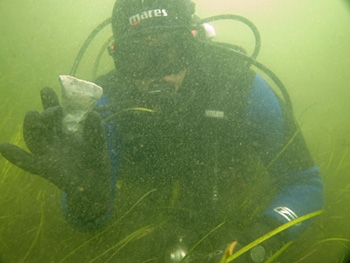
188,117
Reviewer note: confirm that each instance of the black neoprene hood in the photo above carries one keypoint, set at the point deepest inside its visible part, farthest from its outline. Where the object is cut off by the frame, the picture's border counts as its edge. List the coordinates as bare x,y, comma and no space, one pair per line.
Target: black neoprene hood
132,17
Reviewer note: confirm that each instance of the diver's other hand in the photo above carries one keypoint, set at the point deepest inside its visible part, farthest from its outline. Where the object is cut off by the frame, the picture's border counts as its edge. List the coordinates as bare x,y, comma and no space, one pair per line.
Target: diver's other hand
78,164
262,251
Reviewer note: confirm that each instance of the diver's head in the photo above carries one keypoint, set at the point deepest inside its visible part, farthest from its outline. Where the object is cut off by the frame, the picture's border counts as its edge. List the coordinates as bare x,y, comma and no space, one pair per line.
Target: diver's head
152,38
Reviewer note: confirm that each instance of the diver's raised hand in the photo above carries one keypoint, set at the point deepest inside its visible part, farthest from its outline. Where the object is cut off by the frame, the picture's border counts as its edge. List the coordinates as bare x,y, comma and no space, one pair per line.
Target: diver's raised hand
78,164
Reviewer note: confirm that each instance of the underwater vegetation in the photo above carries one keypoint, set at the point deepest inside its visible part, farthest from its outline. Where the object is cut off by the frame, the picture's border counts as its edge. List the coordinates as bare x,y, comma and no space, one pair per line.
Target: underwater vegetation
32,228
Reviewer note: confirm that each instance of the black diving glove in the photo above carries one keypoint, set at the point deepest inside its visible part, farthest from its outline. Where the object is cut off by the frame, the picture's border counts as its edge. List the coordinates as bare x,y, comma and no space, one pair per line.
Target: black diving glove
78,164
259,253
266,249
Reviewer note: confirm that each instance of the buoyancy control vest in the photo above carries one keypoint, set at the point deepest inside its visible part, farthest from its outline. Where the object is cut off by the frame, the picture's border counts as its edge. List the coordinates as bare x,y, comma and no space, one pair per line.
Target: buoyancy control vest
195,140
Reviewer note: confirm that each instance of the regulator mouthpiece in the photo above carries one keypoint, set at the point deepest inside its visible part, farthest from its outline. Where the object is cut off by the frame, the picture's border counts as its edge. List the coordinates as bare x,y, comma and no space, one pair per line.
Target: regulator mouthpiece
78,98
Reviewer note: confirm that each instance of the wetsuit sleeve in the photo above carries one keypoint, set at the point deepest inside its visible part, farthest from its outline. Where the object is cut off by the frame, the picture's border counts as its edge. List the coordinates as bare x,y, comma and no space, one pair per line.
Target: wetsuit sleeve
112,144
279,142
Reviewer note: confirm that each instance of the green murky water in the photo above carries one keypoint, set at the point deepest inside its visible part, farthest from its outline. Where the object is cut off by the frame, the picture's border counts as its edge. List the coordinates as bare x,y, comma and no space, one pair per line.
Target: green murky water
306,43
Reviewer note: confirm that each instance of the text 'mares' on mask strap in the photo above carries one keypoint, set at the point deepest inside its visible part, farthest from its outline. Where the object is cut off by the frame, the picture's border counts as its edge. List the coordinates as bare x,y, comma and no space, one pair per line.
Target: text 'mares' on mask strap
152,37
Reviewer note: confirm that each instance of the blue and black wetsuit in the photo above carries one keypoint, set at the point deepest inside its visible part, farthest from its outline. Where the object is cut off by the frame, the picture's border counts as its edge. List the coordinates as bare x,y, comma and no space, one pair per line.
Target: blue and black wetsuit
225,140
